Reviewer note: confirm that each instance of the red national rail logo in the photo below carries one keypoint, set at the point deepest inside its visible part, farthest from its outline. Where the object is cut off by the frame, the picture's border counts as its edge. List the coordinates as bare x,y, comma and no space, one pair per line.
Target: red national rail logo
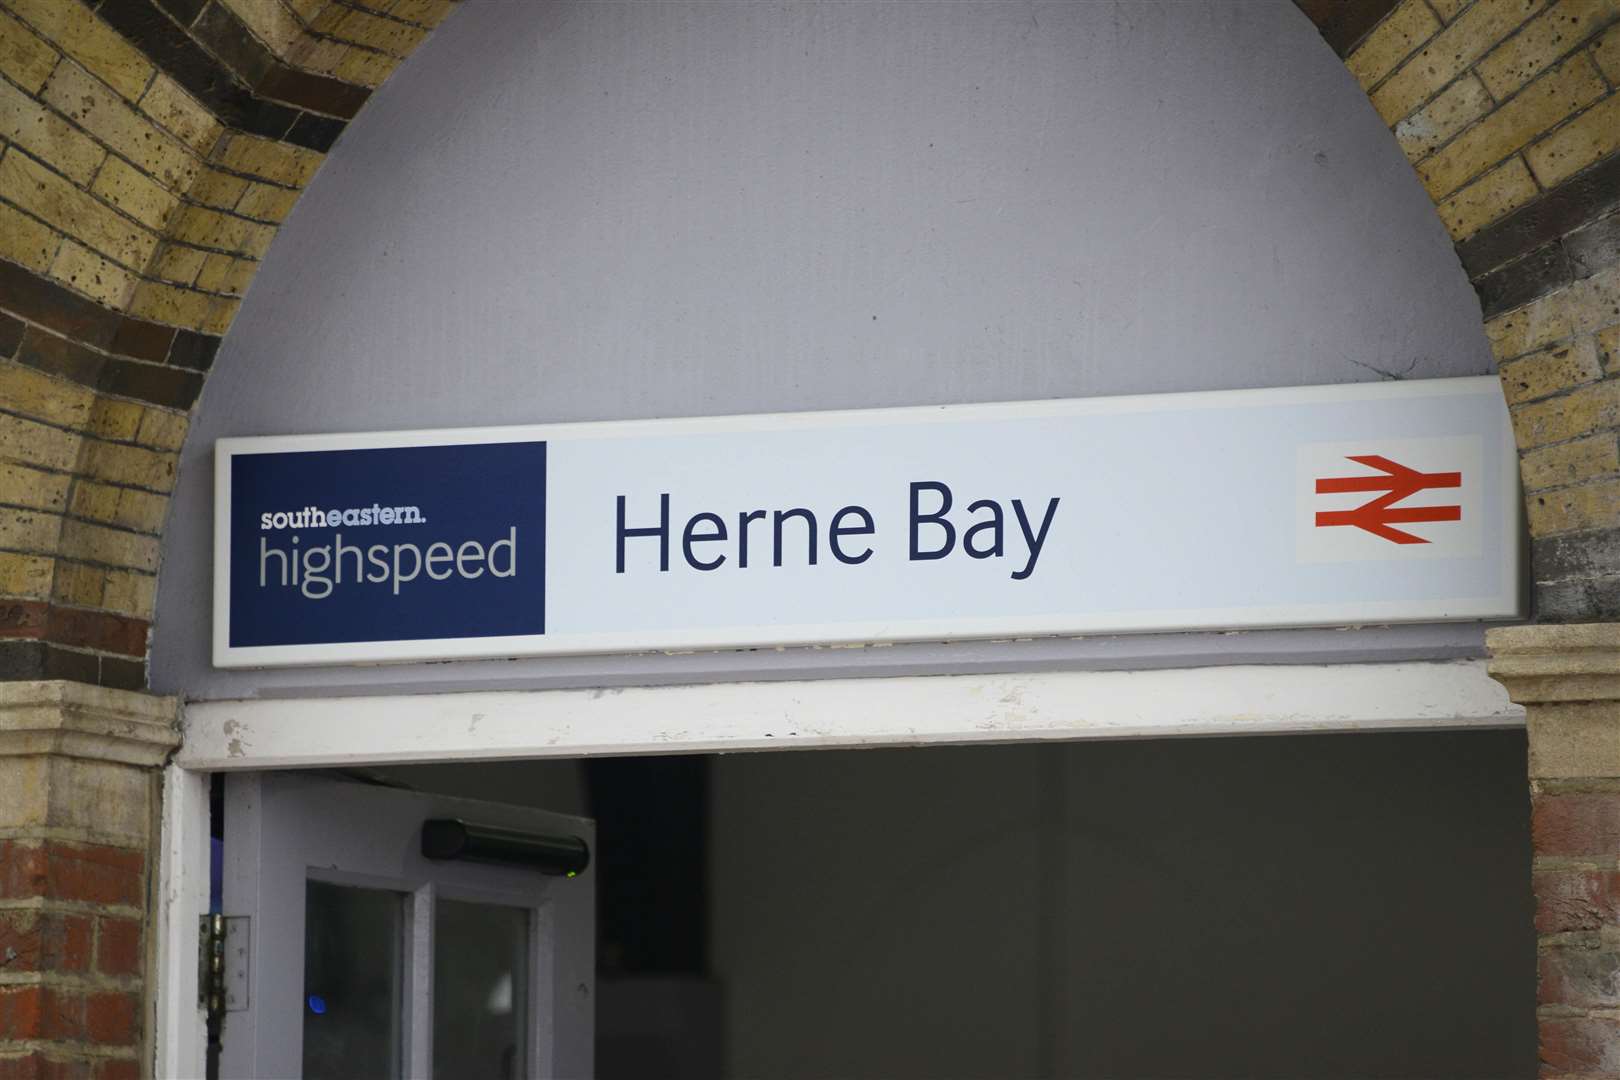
1380,515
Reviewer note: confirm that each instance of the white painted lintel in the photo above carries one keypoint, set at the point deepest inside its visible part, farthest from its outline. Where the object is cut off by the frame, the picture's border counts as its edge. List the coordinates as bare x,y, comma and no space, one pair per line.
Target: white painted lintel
911,711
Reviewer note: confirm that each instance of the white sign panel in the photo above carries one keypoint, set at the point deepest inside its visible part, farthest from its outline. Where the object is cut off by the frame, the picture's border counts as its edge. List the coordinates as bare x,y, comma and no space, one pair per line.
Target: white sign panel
1313,506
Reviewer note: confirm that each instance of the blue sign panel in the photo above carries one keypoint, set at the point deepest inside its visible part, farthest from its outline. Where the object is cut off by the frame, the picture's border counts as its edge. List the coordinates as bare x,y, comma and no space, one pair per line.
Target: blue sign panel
391,544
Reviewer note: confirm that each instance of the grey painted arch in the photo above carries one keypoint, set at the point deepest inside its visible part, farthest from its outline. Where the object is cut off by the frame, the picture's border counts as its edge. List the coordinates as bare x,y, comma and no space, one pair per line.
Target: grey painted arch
581,211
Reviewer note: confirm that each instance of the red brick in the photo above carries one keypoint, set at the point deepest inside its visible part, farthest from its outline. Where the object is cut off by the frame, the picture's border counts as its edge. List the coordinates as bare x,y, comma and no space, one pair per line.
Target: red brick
37,1066
119,1069
61,1014
1575,824
118,950
1576,900
40,1012
21,1009
86,872
1584,978
23,870
110,1018
97,630
74,944
44,941
1581,1044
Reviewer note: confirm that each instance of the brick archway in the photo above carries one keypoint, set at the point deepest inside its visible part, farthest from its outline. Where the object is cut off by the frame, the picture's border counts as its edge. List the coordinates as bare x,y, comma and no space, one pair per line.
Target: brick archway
149,150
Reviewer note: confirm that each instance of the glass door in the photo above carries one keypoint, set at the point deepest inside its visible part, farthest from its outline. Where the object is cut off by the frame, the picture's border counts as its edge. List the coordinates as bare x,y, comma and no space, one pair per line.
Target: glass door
367,958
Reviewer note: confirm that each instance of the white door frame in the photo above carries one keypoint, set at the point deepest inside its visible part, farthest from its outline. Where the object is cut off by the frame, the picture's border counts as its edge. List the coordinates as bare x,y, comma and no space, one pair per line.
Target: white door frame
906,711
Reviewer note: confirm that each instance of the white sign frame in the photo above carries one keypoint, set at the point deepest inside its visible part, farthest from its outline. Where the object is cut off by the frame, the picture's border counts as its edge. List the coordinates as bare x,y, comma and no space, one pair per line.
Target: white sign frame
1506,603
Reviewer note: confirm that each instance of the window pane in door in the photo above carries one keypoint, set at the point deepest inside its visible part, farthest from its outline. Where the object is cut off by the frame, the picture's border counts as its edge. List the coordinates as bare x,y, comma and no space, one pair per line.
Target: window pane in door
353,946
480,991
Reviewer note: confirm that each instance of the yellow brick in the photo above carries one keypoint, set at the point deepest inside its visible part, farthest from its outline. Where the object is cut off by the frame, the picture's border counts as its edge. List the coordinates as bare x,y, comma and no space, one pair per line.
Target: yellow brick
109,547
1543,40
373,31
1571,463
29,530
138,510
179,264
164,430
1589,506
96,277
71,27
213,274
114,419
267,202
135,193
212,229
1562,91
1448,9
25,59
1591,408
241,276
1577,144
130,593
1449,54
217,189
142,510
167,304
1544,320
324,55
1459,105
180,113
1607,54
429,13
33,488
329,19
223,274
1403,30
46,195
25,575
1594,302
1608,344
25,241
220,315
1551,370
42,397
132,465
271,23
79,585
98,502
37,444
365,67
47,136
1505,187
86,102
267,159
306,9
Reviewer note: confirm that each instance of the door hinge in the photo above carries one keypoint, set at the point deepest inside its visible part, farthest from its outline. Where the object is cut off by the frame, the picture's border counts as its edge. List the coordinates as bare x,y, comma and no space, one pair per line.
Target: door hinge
222,964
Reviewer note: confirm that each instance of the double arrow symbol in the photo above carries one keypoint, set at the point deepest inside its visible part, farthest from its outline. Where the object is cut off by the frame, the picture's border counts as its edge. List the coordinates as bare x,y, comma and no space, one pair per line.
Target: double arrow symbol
1380,514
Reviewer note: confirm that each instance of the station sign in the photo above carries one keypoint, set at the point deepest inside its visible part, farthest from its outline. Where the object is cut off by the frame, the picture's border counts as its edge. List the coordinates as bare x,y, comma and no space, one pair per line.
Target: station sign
1309,506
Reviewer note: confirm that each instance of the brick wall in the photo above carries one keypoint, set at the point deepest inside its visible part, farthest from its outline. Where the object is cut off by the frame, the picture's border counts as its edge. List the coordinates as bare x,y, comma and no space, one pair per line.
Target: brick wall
77,802
148,152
